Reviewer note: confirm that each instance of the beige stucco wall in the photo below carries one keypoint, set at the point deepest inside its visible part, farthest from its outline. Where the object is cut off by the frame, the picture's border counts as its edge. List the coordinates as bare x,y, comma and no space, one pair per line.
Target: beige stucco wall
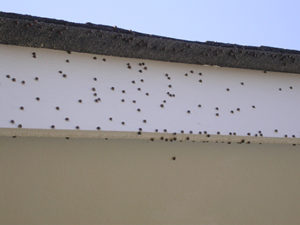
89,181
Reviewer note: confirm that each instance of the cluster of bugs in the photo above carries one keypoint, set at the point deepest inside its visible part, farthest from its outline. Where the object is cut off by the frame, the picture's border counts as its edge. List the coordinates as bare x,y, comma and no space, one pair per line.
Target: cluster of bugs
135,94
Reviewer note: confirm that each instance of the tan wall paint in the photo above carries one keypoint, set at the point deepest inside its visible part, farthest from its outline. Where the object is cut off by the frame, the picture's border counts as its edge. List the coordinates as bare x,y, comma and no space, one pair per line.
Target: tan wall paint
89,181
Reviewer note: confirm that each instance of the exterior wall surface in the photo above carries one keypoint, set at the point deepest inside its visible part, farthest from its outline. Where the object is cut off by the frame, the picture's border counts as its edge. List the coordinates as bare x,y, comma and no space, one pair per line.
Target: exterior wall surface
93,139
88,181
47,89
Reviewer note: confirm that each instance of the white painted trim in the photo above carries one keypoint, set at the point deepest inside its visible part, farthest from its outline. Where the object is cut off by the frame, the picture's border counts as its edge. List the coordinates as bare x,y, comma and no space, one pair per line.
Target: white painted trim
15,132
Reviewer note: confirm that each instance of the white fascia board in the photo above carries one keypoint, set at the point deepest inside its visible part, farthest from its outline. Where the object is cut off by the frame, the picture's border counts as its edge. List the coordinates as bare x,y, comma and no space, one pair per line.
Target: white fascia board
54,92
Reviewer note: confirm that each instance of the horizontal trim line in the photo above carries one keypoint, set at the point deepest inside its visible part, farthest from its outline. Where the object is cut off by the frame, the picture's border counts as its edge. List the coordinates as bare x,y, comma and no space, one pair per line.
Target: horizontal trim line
228,139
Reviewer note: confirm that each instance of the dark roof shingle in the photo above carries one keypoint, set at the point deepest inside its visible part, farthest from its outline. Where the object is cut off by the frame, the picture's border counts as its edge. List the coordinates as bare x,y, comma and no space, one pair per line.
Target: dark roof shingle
30,31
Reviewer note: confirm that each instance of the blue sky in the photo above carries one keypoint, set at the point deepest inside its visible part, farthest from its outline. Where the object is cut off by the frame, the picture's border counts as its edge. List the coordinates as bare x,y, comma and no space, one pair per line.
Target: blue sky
266,22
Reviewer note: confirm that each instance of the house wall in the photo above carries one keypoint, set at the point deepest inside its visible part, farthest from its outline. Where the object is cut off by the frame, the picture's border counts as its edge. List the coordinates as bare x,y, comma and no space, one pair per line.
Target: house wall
89,181
91,139
155,97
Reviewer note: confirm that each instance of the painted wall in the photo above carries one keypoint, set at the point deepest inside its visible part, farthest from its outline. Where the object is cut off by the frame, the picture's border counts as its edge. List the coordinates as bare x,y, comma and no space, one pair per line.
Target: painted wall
44,89
88,181
90,139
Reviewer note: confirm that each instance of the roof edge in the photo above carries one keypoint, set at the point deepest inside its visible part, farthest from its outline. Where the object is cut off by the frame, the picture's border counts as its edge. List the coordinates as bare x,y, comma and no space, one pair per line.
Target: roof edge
31,31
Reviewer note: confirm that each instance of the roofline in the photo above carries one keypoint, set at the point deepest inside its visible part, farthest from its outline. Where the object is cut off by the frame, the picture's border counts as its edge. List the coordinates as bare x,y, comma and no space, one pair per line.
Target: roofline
31,31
